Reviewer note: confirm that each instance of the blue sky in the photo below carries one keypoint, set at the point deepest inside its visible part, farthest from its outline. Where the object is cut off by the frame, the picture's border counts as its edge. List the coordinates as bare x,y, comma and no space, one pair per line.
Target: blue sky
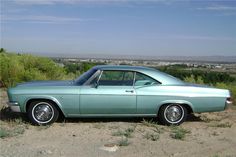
119,27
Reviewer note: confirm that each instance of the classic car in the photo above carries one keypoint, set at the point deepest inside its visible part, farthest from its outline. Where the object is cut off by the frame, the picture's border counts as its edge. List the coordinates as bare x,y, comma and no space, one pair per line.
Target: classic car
116,91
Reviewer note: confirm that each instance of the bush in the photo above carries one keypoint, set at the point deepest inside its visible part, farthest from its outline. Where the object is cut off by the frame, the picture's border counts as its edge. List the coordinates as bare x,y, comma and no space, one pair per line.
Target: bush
192,79
16,68
208,77
178,133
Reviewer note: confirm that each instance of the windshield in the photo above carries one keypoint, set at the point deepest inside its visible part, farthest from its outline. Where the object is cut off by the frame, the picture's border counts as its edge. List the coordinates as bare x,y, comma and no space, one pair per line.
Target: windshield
85,76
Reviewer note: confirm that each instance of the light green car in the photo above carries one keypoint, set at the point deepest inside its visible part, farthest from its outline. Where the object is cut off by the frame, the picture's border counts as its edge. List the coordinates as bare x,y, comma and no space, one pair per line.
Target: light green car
116,91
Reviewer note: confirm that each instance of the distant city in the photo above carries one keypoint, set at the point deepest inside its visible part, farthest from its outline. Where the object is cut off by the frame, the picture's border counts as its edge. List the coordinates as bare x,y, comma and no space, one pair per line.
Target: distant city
214,63
190,64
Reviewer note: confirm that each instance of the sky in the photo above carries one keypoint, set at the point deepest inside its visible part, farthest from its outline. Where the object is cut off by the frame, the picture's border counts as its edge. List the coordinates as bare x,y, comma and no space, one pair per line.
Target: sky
119,27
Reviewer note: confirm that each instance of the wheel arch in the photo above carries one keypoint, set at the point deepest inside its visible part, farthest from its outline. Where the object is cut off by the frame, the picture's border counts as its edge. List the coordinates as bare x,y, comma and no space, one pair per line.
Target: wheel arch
186,104
54,101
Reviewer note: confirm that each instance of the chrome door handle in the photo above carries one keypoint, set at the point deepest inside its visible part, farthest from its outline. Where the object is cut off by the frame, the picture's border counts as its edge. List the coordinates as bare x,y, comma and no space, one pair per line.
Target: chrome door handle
129,91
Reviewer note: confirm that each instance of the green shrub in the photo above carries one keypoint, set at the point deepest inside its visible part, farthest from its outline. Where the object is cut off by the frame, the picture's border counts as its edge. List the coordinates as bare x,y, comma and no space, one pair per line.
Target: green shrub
208,77
152,136
123,142
4,133
17,68
127,132
178,133
192,79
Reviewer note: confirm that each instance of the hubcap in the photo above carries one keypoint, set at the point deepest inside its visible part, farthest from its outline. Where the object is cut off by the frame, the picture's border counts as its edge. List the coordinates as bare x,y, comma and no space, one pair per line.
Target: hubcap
42,112
174,113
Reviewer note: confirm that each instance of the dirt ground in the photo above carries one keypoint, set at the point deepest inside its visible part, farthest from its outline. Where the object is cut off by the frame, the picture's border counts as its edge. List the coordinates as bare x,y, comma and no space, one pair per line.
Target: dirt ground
202,135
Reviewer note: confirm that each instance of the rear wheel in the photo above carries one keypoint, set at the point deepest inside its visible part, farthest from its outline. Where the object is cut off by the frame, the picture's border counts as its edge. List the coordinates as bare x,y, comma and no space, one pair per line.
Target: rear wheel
172,114
42,112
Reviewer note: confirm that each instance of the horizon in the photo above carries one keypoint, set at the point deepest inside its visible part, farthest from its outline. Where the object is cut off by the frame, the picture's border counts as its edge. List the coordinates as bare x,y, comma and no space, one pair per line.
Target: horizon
205,59
119,27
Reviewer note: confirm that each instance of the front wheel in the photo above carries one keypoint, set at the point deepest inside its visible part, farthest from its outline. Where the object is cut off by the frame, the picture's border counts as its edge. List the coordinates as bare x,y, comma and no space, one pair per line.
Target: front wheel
42,112
172,114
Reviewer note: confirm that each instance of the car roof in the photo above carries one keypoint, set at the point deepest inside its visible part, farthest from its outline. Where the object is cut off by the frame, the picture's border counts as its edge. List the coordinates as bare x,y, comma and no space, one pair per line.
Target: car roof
156,74
124,67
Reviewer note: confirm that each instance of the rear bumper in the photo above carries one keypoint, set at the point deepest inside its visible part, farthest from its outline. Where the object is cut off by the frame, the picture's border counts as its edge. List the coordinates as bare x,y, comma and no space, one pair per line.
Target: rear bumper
14,106
228,102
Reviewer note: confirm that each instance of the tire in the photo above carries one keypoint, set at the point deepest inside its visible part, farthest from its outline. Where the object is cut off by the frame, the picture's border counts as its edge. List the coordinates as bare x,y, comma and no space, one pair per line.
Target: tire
42,112
172,114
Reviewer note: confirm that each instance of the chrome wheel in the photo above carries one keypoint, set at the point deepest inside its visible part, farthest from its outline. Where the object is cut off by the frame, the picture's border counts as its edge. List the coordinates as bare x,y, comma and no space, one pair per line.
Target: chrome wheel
42,112
174,113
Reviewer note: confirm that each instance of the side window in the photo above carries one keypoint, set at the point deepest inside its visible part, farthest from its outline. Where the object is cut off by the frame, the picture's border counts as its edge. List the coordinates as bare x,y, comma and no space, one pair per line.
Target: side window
116,78
144,80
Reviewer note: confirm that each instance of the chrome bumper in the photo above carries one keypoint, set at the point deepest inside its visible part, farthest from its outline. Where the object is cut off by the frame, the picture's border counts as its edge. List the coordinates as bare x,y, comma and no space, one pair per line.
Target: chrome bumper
227,104
14,106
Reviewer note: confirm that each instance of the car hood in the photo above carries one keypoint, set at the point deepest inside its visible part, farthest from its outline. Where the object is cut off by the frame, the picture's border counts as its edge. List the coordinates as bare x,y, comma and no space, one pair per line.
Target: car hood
47,83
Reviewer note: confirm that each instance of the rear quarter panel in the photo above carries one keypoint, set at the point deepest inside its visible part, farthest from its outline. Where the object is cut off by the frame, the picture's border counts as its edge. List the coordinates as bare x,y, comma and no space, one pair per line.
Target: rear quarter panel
200,99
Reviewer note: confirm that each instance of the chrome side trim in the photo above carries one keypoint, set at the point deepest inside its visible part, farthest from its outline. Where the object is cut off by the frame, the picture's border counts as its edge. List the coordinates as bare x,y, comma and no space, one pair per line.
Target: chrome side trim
111,115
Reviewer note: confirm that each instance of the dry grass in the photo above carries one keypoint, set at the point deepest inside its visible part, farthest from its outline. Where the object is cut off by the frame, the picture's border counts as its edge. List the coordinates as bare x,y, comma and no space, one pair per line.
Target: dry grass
12,128
151,136
123,142
154,125
221,125
178,132
126,133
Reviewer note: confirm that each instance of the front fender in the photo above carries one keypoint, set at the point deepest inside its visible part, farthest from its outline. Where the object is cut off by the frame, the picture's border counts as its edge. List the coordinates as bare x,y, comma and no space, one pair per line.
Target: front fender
50,98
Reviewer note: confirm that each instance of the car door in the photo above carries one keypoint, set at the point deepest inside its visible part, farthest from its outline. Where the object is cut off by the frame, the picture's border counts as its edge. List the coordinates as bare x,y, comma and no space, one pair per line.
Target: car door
147,90
113,94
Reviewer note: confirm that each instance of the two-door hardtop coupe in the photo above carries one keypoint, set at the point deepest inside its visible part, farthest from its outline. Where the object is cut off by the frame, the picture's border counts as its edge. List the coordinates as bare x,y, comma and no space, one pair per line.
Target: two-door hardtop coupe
116,91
